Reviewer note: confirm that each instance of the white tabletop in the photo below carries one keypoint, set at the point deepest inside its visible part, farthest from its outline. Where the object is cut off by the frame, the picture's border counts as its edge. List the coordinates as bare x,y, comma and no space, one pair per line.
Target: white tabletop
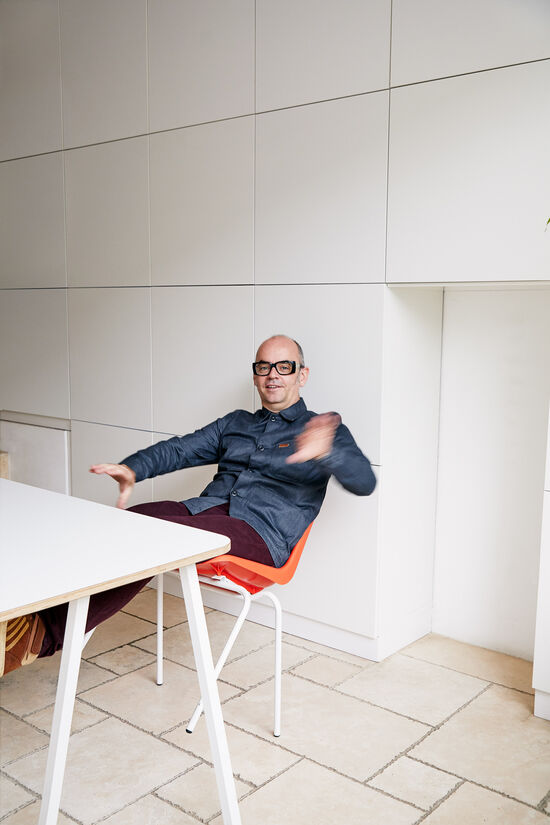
54,548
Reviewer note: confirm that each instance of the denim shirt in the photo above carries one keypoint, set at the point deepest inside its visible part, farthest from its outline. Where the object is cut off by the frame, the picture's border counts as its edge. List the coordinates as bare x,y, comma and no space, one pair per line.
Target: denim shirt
276,499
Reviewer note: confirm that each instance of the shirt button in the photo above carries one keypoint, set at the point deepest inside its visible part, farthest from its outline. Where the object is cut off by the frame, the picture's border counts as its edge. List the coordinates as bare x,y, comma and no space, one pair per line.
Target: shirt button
260,446
234,493
273,418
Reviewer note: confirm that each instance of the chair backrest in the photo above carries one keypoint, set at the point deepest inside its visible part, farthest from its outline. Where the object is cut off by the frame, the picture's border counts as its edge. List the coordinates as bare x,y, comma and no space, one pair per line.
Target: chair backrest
251,574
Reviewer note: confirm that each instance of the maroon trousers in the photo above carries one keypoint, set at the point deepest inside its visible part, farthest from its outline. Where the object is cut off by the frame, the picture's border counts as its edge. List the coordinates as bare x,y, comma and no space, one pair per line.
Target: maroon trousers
245,542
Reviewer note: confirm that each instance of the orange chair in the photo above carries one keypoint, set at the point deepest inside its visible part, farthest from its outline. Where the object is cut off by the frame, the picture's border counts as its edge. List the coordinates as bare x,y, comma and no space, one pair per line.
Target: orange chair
248,579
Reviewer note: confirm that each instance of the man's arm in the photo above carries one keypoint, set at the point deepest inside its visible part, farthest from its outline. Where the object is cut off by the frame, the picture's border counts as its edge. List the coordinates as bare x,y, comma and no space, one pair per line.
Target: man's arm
327,440
192,450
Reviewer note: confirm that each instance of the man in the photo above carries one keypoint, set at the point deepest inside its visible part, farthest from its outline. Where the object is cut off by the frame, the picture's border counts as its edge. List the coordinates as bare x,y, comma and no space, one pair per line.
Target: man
273,467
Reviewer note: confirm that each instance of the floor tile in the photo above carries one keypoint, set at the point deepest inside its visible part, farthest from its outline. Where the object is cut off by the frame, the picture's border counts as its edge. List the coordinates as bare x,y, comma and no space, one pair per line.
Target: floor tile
332,652
138,699
253,760
83,717
144,606
29,816
309,793
150,811
417,689
335,730
120,629
414,782
477,806
476,661
34,687
325,671
108,766
11,796
177,644
124,659
260,665
17,738
196,792
497,742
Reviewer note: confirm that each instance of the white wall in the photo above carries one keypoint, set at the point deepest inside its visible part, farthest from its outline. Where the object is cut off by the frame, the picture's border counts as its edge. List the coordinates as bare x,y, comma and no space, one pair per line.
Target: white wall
409,446
494,406
187,193
541,664
468,178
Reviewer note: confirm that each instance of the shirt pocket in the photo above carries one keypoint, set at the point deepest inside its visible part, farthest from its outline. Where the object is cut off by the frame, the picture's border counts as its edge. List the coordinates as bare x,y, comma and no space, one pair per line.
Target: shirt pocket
305,472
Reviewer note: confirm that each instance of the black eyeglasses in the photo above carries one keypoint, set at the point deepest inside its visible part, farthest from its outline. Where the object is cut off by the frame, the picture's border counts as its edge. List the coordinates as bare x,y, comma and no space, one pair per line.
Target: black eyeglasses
282,367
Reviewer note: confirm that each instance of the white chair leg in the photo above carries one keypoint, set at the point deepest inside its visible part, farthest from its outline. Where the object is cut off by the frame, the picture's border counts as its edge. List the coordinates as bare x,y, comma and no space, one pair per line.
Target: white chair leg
160,628
278,660
225,652
87,637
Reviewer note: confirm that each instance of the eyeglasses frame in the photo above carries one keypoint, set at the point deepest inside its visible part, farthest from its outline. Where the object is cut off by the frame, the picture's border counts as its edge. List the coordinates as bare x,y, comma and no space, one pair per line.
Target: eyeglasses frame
271,365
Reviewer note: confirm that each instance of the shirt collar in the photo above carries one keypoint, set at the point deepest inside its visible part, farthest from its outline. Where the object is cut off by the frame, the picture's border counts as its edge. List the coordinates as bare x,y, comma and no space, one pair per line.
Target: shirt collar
290,413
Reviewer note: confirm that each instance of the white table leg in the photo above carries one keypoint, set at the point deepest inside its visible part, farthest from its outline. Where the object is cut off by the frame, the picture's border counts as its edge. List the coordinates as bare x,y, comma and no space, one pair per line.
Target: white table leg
209,692
160,628
63,711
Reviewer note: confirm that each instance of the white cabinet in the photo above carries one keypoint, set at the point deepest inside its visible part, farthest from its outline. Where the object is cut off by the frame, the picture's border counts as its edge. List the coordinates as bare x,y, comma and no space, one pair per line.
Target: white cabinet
541,669
38,450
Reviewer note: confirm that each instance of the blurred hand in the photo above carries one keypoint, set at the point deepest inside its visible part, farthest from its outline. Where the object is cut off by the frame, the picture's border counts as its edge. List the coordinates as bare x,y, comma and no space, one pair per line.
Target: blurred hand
315,440
119,472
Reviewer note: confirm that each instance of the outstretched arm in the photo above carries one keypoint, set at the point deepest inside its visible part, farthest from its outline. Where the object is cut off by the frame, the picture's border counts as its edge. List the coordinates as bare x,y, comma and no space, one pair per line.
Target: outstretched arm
119,472
193,450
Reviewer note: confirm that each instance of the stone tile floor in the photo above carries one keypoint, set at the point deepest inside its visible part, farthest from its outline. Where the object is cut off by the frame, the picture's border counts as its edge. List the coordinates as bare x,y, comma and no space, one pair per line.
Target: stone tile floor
441,733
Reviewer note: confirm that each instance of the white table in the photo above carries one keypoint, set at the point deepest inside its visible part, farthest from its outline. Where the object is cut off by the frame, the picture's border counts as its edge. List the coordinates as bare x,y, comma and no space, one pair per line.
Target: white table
56,549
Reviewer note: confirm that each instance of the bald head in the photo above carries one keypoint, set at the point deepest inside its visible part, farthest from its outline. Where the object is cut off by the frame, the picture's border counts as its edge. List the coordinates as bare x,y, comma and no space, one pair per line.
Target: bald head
284,339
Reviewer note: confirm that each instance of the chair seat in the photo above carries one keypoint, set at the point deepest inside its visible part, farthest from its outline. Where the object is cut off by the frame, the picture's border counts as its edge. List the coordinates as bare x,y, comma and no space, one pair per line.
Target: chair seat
252,575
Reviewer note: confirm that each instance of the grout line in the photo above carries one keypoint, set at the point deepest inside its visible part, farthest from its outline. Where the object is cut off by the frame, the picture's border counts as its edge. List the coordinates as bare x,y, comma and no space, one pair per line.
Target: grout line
464,673
439,802
541,806
151,792
60,42
470,73
302,105
177,807
491,788
396,798
147,73
434,728
454,286
387,205
15,811
435,804
19,784
157,736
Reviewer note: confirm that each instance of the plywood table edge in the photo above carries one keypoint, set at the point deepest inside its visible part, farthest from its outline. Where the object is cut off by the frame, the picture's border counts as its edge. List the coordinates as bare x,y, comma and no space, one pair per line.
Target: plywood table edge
13,613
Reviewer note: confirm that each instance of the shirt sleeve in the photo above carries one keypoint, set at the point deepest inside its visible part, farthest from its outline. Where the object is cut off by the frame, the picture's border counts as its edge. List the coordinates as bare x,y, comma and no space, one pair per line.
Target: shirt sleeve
192,450
350,467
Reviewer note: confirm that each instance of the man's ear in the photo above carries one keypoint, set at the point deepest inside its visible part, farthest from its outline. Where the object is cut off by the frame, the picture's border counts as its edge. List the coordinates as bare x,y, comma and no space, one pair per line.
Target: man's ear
304,375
